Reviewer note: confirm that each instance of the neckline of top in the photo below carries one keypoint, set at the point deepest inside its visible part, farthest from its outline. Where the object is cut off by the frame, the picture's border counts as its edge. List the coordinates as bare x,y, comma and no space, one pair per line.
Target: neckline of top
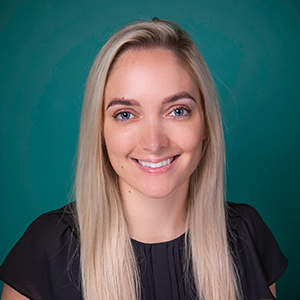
181,237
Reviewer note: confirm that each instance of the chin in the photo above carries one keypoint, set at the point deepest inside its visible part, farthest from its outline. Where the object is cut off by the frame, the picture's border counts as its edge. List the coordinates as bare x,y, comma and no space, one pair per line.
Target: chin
159,191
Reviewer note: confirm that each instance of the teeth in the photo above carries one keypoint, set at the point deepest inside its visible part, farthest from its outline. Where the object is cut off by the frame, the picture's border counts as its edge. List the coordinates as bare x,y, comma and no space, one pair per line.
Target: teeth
155,165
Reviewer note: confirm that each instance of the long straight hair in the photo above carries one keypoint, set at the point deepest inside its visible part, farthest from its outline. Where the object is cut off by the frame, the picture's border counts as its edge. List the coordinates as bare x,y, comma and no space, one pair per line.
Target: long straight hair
108,266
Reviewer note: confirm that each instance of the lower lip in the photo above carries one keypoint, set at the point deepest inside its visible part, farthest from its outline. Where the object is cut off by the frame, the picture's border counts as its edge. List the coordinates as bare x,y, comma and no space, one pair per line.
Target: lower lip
160,170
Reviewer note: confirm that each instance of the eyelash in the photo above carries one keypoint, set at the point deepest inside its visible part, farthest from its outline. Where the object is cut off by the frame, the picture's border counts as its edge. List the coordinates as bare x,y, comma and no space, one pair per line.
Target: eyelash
186,110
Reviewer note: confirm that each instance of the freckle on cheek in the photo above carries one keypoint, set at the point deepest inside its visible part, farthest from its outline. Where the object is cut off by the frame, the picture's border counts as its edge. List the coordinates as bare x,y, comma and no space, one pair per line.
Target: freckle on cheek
122,167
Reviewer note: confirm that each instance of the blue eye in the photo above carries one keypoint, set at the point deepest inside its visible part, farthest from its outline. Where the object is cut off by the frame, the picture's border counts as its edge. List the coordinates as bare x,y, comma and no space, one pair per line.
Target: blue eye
180,112
123,116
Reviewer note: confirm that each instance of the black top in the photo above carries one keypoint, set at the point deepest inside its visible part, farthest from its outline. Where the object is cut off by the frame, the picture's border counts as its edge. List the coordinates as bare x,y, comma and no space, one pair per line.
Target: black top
44,264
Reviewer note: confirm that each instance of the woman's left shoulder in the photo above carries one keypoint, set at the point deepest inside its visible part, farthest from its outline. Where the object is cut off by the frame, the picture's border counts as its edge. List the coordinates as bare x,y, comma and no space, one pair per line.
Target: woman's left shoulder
254,244
246,220
242,210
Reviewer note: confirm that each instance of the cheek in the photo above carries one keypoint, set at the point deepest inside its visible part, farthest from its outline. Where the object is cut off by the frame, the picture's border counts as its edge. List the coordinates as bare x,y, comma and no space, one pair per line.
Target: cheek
194,148
114,150
113,144
118,143
193,144
190,138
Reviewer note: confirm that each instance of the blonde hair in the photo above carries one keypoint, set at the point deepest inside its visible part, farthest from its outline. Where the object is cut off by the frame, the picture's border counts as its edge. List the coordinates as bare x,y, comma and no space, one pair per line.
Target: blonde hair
108,264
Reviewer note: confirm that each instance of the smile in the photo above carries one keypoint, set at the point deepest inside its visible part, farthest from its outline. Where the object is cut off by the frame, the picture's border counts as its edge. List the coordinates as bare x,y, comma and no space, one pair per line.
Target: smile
153,165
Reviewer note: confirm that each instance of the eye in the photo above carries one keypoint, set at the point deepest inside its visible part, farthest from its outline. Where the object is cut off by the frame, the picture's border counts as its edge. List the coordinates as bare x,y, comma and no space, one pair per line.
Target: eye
123,116
180,112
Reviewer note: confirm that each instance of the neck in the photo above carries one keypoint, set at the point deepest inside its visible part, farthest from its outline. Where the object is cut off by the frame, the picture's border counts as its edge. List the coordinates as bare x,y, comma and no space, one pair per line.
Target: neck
155,220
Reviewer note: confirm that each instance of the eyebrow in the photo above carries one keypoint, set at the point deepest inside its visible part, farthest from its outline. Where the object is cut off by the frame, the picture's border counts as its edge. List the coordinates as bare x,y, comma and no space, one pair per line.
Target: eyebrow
129,102
179,96
117,101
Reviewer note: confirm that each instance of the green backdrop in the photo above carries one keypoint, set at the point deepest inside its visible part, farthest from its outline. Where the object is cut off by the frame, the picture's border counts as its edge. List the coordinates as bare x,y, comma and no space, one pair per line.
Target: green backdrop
252,49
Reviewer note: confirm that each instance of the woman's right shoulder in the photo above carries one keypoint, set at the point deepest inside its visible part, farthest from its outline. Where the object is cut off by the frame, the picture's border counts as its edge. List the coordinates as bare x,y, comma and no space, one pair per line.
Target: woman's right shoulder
46,258
52,226
63,218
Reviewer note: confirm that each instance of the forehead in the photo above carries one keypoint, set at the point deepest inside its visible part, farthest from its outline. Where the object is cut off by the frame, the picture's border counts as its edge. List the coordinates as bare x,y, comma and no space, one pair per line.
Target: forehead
149,70
135,56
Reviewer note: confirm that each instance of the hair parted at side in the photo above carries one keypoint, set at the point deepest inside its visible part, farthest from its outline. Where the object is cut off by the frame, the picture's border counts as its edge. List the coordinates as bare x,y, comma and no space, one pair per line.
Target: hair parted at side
108,265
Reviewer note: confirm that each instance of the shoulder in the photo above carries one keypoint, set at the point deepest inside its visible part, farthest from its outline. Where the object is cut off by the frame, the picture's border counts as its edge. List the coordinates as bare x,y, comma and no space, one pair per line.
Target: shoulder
62,216
241,210
49,230
246,224
254,244
56,221
47,234
245,217
46,258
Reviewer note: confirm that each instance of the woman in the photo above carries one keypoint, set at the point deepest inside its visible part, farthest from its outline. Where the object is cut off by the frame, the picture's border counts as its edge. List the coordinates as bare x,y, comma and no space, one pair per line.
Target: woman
150,212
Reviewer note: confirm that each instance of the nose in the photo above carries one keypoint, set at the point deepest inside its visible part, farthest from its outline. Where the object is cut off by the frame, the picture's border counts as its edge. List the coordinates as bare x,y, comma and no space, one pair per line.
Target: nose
154,137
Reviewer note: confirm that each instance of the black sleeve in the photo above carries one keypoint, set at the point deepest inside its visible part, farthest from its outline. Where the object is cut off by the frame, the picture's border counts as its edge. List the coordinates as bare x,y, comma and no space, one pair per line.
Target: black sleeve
259,258
44,264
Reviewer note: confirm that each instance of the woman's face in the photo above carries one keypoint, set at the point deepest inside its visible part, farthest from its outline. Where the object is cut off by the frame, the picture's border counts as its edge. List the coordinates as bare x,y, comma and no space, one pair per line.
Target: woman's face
153,123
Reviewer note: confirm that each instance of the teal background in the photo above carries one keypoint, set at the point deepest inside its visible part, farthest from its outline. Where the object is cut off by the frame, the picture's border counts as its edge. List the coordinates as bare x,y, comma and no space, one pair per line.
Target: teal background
252,49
